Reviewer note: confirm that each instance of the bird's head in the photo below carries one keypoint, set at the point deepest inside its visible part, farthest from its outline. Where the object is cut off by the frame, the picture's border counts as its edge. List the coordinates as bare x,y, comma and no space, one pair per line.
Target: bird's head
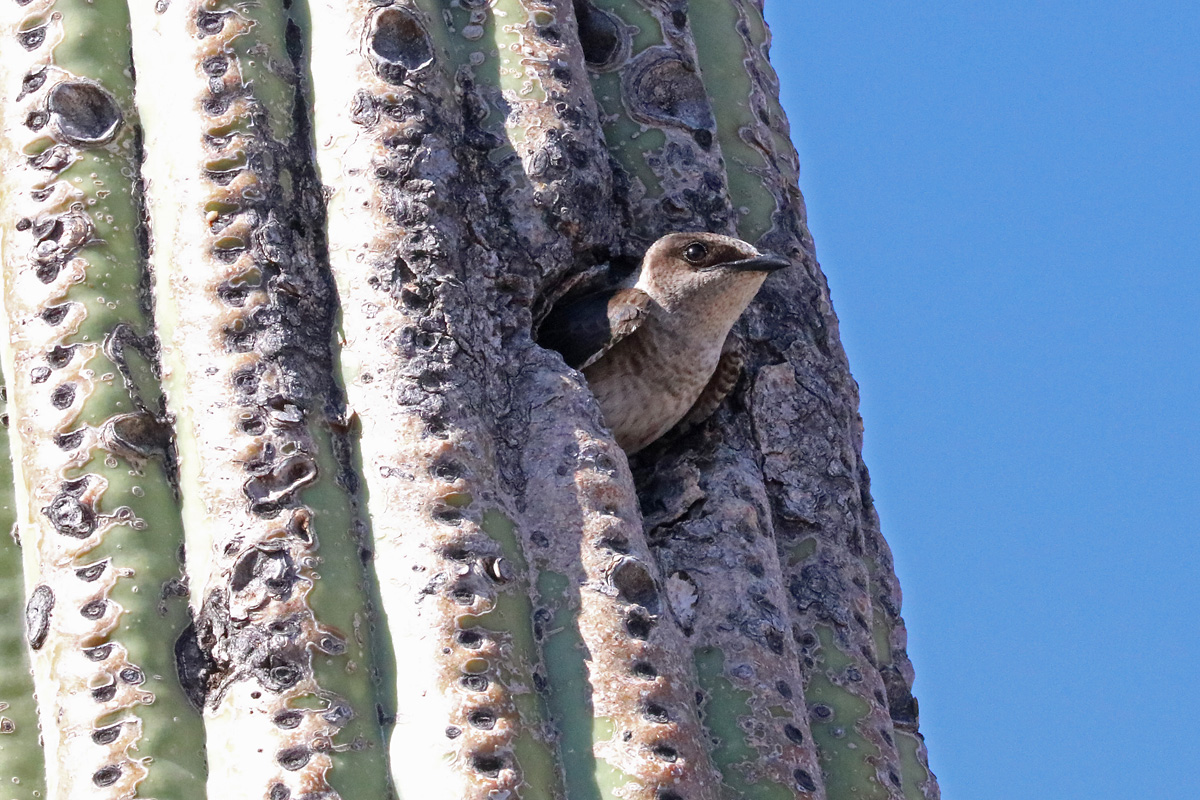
715,276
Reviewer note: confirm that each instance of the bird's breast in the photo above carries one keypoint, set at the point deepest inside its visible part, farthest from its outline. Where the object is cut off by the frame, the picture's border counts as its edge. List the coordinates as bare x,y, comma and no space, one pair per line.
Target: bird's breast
648,382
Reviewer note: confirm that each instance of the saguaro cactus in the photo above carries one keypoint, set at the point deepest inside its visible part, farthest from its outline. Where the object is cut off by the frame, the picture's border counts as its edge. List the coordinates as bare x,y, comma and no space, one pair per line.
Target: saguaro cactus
301,507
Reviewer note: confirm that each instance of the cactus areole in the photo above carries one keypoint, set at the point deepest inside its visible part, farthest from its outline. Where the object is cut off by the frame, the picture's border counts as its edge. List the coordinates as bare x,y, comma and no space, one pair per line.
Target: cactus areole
299,506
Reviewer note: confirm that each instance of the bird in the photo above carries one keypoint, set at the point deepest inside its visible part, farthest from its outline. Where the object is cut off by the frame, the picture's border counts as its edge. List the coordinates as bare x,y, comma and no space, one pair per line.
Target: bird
656,349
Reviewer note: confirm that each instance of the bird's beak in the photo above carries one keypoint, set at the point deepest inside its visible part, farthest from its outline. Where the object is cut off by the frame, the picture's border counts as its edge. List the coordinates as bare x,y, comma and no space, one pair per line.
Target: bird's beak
763,263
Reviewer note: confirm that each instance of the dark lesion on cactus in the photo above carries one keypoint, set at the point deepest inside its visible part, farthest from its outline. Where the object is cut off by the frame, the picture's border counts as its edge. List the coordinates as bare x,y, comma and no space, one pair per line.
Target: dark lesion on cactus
293,758
107,735
300,526
605,39
84,113
661,88
193,667
331,644
57,240
470,639
107,776
272,571
70,514
252,425
31,83
644,670
901,704
340,713
398,44
288,719
47,271
638,624
665,752
215,66
279,672
487,764
474,683
483,718
278,482
497,570
98,653
38,611
804,781
653,712
245,379
634,584
69,441
136,437
92,571
448,516
32,38
63,396
222,649
54,315
59,355
284,411
36,120
210,23
94,609
132,676
53,159
104,694
463,596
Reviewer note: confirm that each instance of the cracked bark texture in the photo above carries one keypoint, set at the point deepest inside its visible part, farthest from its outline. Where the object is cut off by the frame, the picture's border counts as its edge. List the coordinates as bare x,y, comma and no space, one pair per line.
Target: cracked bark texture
418,564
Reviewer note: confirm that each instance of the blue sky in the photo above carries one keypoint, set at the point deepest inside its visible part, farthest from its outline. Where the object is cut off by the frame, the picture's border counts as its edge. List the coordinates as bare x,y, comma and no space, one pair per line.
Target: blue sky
1006,200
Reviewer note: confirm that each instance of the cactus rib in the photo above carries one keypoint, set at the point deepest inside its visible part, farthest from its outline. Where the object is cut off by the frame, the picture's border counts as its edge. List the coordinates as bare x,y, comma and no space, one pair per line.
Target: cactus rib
712,536
22,766
97,513
400,239
245,314
521,71
891,642
606,616
658,121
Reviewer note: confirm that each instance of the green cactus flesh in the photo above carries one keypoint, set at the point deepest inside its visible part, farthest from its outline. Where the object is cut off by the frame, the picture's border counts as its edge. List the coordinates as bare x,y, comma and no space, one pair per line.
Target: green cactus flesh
846,755
724,706
277,582
587,777
97,512
731,88
22,766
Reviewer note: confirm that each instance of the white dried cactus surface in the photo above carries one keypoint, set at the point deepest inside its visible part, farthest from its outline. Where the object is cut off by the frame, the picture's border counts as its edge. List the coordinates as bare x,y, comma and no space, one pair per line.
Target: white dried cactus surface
298,506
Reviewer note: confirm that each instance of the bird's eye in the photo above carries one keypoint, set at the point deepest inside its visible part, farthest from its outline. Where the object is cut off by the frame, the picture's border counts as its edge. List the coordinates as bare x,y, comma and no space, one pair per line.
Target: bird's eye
695,252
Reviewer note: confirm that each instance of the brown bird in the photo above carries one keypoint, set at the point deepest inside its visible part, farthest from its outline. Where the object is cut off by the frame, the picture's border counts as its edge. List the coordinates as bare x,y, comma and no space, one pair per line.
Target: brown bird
657,348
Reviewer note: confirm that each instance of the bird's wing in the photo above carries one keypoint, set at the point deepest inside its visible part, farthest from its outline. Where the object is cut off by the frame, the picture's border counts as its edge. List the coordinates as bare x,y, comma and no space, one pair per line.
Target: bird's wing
587,328
724,378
